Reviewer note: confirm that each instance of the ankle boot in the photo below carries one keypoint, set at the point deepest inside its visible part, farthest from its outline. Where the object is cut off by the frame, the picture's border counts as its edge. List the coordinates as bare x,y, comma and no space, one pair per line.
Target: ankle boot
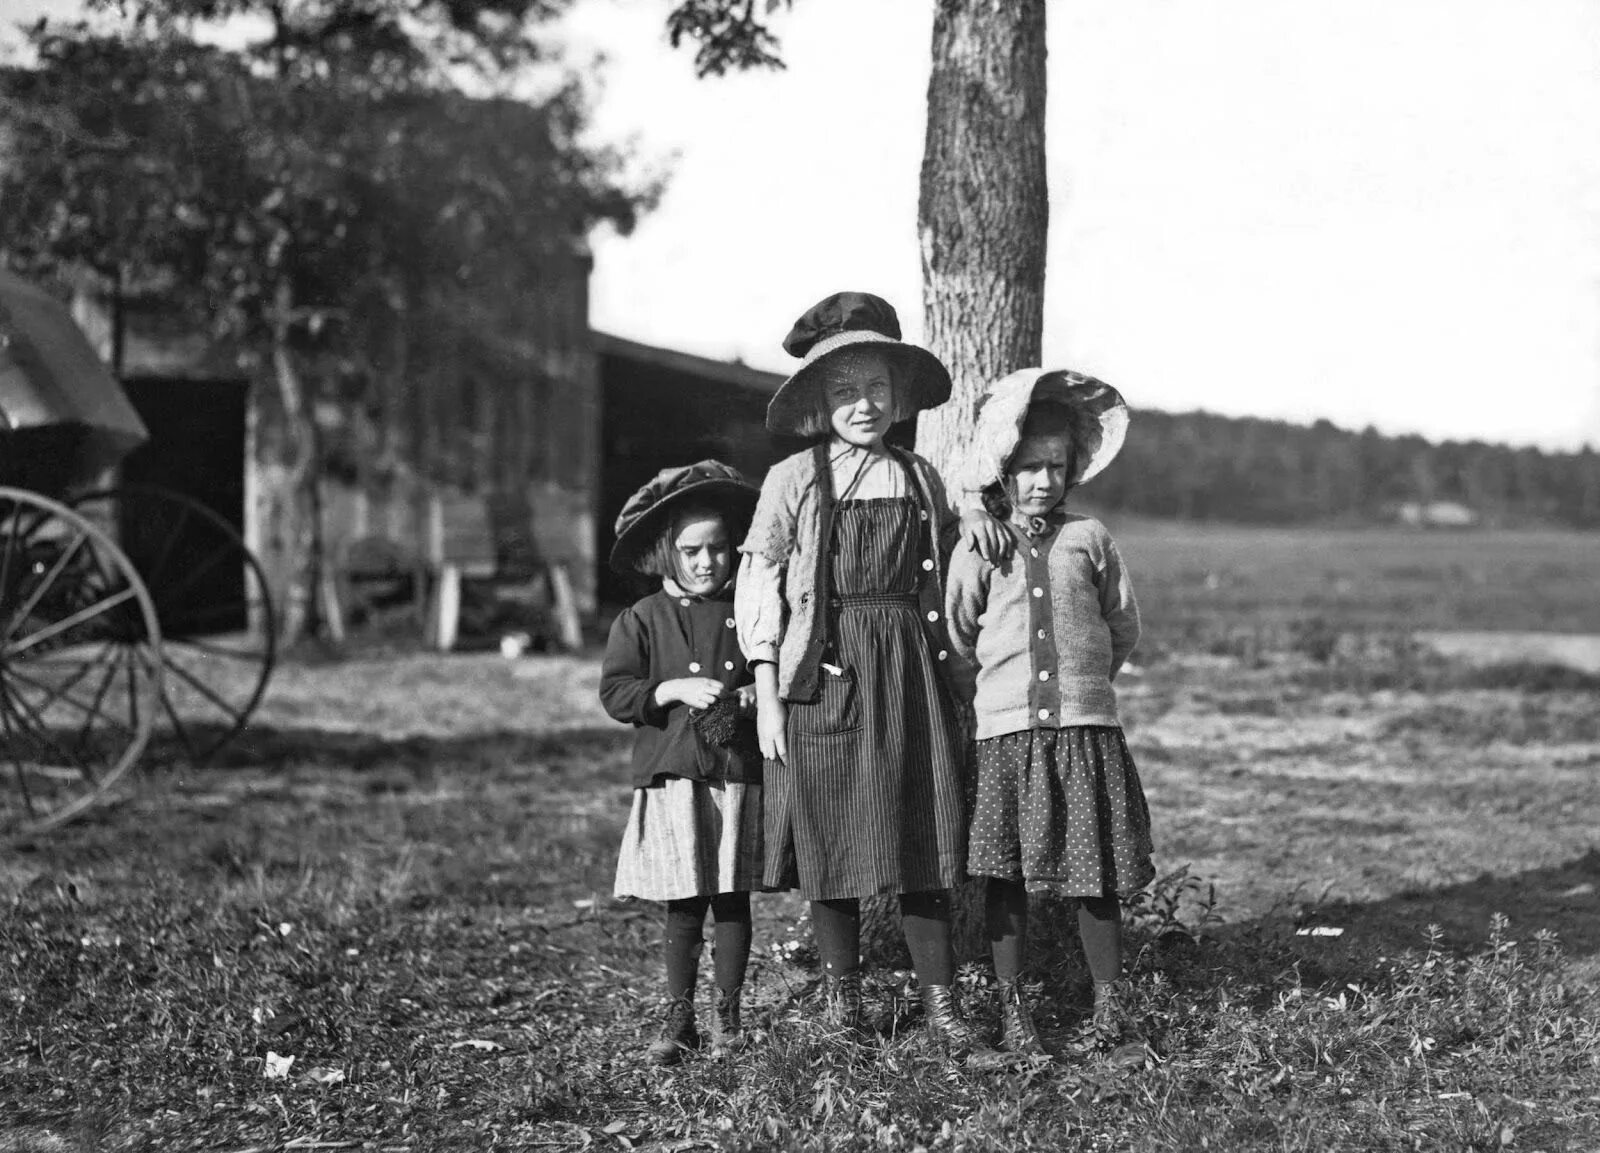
727,1031
946,1028
1112,1029
678,1033
1109,1013
1110,1026
1017,1032
843,993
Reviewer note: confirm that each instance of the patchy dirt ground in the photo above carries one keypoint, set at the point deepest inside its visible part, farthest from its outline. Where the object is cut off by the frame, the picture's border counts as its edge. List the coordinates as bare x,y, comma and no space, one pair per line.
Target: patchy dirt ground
1402,807
400,879
1276,791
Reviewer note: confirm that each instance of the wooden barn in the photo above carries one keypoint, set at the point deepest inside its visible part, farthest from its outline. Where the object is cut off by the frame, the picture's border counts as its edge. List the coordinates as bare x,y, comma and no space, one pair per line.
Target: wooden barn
483,461
502,463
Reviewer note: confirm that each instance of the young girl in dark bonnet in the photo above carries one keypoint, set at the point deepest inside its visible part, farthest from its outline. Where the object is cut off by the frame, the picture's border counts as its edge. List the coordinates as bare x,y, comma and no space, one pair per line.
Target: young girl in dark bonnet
673,670
841,615
1040,637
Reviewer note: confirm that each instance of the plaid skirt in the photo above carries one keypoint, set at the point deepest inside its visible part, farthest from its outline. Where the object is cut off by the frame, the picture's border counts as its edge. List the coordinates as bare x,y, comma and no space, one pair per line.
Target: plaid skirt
691,839
1061,811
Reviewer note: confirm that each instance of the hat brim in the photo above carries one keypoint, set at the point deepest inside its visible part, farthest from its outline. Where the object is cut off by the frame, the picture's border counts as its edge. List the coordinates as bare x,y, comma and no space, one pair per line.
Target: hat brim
1103,405
1005,411
732,498
798,400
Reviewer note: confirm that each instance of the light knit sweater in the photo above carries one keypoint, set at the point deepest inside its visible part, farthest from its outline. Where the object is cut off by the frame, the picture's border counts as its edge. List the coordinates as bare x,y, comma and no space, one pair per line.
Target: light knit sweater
1039,638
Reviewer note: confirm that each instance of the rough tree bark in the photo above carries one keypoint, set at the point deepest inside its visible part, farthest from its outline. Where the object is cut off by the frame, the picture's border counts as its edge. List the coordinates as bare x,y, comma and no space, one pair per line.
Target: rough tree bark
984,208
982,218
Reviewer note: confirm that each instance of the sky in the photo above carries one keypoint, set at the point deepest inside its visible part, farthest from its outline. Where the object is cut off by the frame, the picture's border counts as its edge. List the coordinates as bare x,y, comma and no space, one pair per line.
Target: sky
1373,211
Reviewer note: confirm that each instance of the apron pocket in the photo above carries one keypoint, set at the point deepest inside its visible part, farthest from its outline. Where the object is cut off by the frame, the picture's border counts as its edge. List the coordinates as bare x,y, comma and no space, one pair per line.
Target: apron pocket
837,708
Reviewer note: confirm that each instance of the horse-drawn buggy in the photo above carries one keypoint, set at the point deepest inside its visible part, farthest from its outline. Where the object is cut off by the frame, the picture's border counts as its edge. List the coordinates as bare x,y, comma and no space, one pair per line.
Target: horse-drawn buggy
134,622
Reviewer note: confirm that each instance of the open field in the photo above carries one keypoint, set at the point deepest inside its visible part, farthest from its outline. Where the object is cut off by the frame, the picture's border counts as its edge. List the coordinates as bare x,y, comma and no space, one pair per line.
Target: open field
400,881
1200,581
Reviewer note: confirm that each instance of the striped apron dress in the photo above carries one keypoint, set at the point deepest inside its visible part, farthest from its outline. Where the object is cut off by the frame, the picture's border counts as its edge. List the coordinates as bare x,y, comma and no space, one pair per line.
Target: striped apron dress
870,800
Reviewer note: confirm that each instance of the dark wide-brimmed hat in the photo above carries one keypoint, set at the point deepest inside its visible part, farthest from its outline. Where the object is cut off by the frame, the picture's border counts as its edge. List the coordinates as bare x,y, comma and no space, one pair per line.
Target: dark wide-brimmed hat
649,511
843,321
1099,426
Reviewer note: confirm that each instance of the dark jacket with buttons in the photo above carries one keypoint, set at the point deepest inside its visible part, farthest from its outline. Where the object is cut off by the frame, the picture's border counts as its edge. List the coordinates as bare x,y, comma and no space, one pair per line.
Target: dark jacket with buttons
662,638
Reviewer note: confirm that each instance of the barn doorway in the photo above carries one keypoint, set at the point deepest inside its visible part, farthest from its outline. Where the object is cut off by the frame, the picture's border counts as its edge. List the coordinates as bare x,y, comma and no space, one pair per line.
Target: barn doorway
197,450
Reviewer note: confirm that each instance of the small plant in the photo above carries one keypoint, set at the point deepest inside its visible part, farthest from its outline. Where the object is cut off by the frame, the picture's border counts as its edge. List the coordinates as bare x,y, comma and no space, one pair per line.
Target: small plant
1177,904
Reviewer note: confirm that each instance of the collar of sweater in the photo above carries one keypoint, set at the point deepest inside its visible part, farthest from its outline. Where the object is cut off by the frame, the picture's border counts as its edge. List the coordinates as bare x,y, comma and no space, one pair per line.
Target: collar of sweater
1040,526
673,589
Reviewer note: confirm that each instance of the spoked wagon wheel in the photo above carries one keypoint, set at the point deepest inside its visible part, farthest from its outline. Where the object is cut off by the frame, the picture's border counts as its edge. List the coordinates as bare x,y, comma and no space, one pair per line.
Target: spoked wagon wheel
218,632
80,674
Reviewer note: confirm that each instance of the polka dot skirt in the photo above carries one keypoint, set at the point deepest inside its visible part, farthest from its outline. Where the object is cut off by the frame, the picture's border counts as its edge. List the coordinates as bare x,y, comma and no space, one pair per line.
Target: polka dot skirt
1061,810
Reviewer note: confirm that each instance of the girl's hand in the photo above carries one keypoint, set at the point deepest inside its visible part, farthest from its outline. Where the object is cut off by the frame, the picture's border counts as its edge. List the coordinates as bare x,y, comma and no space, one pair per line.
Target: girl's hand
772,723
985,536
696,692
747,700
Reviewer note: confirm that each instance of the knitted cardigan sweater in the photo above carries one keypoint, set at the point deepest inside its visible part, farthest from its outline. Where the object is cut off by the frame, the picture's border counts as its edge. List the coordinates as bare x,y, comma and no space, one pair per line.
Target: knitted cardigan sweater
1040,637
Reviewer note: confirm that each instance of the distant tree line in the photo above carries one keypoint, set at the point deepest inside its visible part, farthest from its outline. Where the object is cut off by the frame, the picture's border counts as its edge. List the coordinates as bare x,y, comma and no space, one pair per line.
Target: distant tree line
1201,466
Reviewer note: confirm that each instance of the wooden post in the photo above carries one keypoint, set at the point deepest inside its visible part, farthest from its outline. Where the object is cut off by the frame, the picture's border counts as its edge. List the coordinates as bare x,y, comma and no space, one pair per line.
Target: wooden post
447,608
565,604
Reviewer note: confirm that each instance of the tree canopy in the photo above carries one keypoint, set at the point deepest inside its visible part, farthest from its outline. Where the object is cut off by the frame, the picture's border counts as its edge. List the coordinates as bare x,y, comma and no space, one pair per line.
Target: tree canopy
219,180
336,197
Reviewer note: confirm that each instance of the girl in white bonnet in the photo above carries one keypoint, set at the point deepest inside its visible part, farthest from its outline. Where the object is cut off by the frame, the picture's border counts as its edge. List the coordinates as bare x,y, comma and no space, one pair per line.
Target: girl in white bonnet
1040,637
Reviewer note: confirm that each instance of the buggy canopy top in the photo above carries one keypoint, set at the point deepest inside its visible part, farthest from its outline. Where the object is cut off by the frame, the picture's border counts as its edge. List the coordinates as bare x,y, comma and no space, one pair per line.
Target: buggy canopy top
63,416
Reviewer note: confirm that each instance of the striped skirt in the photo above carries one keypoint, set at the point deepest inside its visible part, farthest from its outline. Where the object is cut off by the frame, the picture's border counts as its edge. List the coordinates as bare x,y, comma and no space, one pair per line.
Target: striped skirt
1061,811
691,839
871,798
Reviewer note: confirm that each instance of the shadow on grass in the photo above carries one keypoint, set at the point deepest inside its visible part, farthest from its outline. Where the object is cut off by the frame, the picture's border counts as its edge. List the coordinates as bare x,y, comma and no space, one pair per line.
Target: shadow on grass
269,748
1562,898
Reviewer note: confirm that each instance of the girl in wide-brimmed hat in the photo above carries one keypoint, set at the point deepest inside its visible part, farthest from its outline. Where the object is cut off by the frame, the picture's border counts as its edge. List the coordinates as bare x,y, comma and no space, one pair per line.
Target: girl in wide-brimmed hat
673,670
841,613
1040,638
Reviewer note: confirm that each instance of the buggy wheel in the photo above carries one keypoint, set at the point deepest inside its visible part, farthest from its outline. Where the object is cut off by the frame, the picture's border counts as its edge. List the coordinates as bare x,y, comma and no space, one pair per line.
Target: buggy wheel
77,700
218,630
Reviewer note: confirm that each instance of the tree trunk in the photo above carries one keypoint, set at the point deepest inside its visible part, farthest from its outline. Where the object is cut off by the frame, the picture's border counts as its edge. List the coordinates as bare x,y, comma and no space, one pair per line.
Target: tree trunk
291,511
984,209
982,219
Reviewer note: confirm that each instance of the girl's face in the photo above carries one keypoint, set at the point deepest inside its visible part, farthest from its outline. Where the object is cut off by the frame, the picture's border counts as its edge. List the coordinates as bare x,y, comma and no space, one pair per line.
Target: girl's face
703,553
1038,473
859,398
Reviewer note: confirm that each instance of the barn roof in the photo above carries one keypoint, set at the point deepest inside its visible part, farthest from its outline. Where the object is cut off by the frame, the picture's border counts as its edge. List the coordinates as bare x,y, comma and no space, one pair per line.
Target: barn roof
720,371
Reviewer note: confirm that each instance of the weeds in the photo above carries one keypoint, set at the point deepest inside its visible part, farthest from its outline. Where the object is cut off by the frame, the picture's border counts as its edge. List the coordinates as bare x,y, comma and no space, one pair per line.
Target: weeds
435,959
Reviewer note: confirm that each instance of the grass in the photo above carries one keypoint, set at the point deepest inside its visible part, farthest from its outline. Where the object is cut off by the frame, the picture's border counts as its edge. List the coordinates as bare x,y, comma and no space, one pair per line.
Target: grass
1209,585
400,879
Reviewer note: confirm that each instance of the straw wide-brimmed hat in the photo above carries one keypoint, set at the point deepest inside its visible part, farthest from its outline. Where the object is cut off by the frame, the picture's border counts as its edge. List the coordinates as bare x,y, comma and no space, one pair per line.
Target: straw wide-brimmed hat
1097,433
843,321
648,511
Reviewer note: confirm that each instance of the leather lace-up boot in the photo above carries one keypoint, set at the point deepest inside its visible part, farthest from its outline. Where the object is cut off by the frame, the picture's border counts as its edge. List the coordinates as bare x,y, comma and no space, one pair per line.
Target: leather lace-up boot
727,1030
1017,1032
947,1029
843,1000
678,1033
